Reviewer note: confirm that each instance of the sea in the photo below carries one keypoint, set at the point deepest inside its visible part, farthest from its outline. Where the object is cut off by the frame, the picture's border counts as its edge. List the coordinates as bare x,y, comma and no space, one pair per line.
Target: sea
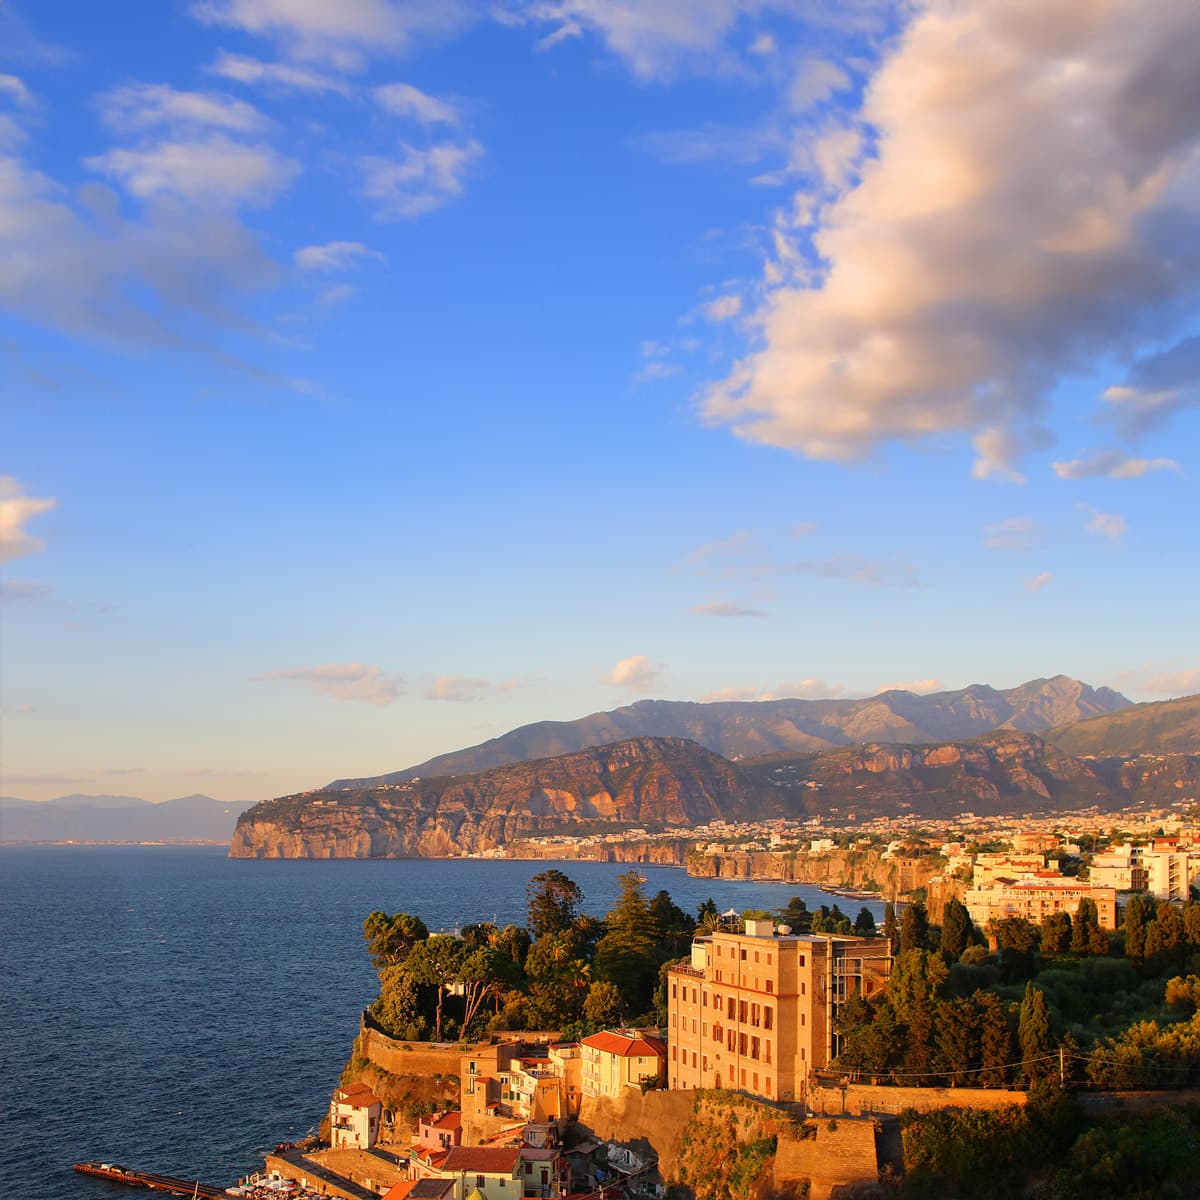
178,1011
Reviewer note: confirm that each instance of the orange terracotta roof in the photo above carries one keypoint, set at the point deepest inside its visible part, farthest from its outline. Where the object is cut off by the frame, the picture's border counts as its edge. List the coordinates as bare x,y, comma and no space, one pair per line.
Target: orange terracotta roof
626,1045
447,1120
400,1190
483,1160
357,1095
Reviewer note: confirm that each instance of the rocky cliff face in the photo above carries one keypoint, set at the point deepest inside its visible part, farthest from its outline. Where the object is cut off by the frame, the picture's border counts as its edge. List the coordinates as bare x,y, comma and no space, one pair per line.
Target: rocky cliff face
671,783
647,782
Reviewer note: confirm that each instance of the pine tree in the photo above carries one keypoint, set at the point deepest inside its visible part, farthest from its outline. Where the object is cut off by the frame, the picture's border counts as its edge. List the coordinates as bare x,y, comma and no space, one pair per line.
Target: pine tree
957,930
914,928
1033,1034
627,954
995,1039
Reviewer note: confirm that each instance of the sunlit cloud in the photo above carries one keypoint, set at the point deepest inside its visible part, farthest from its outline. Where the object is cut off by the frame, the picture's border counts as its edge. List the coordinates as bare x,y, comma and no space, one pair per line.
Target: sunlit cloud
1036,582
17,509
456,688
334,256
1012,213
637,673
723,308
1110,525
244,69
142,106
1176,683
922,687
343,681
1112,464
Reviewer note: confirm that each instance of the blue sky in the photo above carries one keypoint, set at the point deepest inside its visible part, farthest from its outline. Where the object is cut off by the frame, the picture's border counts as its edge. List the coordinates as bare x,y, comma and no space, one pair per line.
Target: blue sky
377,377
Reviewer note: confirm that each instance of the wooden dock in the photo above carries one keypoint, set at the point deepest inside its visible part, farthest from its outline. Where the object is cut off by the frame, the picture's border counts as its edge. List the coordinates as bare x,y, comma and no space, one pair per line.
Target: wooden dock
156,1183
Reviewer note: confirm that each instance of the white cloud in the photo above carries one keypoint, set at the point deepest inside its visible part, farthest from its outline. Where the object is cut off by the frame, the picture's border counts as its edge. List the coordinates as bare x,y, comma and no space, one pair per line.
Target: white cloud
418,181
333,256
1015,533
1112,464
456,688
1036,582
213,169
16,510
922,687
343,32
244,69
143,106
1110,525
637,673
1159,386
1024,203
725,608
10,85
1178,683
657,370
407,101
723,308
815,80
343,681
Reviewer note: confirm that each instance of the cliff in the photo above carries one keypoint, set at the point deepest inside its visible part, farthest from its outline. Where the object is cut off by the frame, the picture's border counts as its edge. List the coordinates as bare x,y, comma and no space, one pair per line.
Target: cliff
659,784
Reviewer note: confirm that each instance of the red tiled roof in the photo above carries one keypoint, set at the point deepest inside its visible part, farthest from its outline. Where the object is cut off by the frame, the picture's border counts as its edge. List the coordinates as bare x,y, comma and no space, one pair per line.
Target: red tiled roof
400,1190
483,1160
625,1045
447,1120
357,1095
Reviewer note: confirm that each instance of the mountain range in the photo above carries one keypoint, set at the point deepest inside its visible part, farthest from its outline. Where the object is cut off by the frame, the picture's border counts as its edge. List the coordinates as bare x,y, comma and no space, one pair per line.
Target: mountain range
79,818
749,729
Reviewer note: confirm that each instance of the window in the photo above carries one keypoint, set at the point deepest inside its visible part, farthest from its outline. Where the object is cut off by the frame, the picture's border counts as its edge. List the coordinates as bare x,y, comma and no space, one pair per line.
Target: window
767,1085
674,1053
732,1014
770,959
803,988
704,999
704,1029
756,956
770,986
743,1077
674,996
742,1047
754,1046
741,1010
754,1078
767,1051
480,1181
718,1034
718,974
768,1014
693,1058
731,1041
755,1014
693,1027
743,954
802,960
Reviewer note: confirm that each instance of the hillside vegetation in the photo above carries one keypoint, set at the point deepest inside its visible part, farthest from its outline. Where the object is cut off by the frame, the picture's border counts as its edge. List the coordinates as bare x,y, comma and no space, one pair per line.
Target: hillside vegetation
1167,727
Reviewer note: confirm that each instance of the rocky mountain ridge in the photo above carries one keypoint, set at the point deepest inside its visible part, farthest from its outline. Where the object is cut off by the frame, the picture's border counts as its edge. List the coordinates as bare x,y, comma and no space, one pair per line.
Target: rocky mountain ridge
740,730
661,783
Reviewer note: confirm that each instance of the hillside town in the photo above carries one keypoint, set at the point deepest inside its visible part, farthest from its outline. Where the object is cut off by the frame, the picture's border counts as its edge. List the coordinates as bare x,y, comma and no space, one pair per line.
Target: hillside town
774,1016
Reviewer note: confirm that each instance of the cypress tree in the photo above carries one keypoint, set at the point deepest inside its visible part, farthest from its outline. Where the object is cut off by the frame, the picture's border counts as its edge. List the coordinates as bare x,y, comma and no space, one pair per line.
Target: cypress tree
1033,1034
891,930
956,930
914,928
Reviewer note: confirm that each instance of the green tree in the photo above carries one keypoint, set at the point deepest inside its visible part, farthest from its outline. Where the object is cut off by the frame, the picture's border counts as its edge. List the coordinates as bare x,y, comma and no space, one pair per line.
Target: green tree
918,977
995,1039
1056,933
1191,923
553,902
1018,942
626,955
389,939
956,1032
1086,935
957,930
1139,912
707,908
1165,937
437,962
795,913
397,1009
891,930
673,928
602,1007
1034,1037
914,927
864,923
484,972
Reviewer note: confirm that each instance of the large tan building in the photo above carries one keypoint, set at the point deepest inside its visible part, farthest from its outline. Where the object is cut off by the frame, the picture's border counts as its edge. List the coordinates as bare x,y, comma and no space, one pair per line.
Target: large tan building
755,1011
1036,899
621,1058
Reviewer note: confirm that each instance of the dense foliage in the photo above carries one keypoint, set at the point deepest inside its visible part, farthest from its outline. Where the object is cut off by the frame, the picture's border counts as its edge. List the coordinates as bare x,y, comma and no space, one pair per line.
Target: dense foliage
566,971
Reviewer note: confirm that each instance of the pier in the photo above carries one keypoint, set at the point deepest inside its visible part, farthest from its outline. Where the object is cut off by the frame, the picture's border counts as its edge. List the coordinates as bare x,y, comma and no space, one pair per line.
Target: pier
144,1179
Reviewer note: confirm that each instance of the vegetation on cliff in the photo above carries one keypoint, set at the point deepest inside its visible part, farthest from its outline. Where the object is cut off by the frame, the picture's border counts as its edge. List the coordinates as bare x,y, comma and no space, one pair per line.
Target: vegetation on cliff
567,971
1166,727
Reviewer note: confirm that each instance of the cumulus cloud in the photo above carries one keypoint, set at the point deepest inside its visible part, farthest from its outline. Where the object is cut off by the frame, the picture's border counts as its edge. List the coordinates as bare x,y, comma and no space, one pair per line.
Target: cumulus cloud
815,81
343,33
289,76
1036,582
725,608
333,256
741,542
13,87
16,510
1109,525
418,181
637,673
407,101
343,681
456,688
1015,533
1022,203
1178,683
1112,464
1158,387
212,169
922,687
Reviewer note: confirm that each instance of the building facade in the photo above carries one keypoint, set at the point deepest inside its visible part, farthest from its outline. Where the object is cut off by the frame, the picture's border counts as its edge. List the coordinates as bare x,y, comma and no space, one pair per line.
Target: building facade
755,1011
1036,899
354,1114
621,1058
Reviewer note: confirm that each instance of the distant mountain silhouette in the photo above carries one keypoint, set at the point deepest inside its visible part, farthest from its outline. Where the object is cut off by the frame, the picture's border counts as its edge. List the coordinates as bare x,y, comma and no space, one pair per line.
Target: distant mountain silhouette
80,818
749,729
1164,727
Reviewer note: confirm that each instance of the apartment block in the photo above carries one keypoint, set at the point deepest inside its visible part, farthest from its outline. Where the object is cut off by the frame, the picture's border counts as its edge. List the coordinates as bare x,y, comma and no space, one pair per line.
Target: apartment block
755,1011
1037,898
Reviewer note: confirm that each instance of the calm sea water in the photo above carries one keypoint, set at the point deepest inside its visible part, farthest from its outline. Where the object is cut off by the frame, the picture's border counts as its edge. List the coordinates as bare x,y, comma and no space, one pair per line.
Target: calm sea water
181,1012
